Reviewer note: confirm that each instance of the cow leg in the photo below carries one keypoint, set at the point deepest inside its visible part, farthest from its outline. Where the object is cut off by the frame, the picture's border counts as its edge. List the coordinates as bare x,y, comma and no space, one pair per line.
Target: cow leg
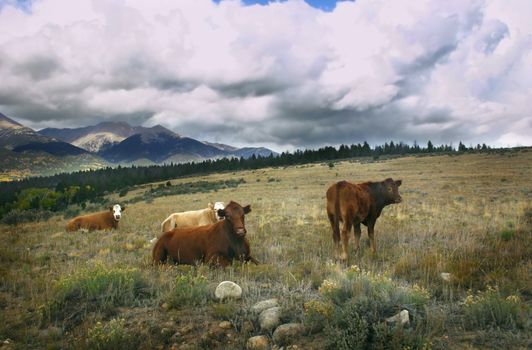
346,229
358,233
252,260
336,236
219,260
371,234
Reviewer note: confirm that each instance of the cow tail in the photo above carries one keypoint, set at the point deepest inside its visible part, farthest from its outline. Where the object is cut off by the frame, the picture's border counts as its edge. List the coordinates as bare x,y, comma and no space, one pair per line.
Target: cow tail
160,253
337,211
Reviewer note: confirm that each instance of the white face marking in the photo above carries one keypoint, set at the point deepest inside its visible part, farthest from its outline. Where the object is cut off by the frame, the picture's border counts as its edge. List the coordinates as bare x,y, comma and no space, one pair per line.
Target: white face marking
218,205
117,212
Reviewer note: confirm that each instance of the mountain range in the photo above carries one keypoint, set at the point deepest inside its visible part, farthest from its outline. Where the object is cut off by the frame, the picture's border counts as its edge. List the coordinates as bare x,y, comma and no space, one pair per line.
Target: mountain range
100,145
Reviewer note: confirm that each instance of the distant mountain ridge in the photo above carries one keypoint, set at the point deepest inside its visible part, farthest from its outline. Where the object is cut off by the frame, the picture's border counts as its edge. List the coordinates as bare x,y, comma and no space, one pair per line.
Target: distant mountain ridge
101,145
24,152
158,147
97,137
120,142
8,123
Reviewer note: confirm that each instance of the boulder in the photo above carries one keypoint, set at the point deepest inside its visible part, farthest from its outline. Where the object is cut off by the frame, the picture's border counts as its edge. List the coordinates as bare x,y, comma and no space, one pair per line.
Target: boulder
286,333
401,318
228,290
263,305
270,318
259,342
225,325
446,276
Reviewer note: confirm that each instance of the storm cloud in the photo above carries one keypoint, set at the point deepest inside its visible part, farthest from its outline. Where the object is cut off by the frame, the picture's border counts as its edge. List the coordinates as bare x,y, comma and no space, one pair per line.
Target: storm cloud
283,75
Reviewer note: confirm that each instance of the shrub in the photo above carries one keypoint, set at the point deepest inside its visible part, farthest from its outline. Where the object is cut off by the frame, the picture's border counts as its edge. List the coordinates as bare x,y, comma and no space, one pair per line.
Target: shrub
361,301
488,309
112,335
506,235
317,314
70,213
348,329
17,216
96,288
189,290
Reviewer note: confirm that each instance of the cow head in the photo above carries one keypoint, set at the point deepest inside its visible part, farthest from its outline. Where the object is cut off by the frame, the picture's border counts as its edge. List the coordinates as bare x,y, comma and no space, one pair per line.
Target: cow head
392,190
117,211
218,206
234,215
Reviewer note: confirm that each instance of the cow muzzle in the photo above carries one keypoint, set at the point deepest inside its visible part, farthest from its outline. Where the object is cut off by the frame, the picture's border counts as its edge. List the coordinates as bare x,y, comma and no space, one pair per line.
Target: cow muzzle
240,231
398,200
117,217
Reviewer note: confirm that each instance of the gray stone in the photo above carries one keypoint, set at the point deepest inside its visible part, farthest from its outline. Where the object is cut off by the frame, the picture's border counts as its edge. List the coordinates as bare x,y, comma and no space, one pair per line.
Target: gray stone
400,318
260,342
287,332
270,318
228,290
446,276
263,305
225,325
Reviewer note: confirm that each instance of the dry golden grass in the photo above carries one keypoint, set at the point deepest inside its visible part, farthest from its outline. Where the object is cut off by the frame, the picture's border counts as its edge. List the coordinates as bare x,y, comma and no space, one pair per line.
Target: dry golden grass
469,215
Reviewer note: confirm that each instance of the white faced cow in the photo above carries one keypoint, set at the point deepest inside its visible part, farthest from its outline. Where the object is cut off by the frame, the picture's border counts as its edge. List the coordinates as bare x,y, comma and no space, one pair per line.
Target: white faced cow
98,221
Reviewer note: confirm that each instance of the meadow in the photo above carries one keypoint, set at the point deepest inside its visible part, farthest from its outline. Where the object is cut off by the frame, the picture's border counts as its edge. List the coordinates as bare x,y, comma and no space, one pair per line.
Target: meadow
467,215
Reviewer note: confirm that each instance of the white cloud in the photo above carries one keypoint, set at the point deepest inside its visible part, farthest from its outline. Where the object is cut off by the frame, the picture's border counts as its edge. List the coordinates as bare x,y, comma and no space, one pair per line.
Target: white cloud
285,74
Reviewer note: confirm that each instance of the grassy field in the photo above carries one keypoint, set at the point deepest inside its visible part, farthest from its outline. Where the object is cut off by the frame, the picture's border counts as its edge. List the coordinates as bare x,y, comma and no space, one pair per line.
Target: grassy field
467,215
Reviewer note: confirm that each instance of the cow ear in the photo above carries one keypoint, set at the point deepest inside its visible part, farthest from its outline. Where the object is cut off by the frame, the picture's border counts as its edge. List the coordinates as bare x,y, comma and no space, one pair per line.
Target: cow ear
221,213
123,208
210,206
247,209
110,208
398,182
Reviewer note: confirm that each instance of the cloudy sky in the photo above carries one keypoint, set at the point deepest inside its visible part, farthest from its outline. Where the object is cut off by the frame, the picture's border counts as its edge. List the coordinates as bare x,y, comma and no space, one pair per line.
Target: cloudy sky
283,74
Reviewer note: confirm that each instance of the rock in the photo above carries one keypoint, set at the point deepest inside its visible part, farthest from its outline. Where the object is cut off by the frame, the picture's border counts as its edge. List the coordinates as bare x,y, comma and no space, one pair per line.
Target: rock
263,305
167,332
446,276
285,333
228,290
401,318
165,306
259,342
225,325
269,318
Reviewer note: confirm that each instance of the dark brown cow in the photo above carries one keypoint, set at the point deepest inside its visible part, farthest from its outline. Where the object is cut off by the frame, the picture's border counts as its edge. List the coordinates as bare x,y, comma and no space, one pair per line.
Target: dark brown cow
215,244
354,204
97,221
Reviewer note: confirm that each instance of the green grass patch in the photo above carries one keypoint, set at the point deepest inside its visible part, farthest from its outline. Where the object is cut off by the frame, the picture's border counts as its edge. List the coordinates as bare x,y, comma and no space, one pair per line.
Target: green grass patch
489,309
110,336
354,308
189,290
98,288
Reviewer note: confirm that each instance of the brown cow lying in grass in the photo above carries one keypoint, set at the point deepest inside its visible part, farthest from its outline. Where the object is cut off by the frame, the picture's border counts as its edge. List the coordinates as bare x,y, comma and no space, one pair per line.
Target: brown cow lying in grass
193,218
354,204
97,221
215,244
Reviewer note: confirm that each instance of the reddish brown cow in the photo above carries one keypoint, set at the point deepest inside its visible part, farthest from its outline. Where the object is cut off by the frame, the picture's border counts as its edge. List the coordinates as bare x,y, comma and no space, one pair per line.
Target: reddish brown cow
215,244
97,221
354,204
